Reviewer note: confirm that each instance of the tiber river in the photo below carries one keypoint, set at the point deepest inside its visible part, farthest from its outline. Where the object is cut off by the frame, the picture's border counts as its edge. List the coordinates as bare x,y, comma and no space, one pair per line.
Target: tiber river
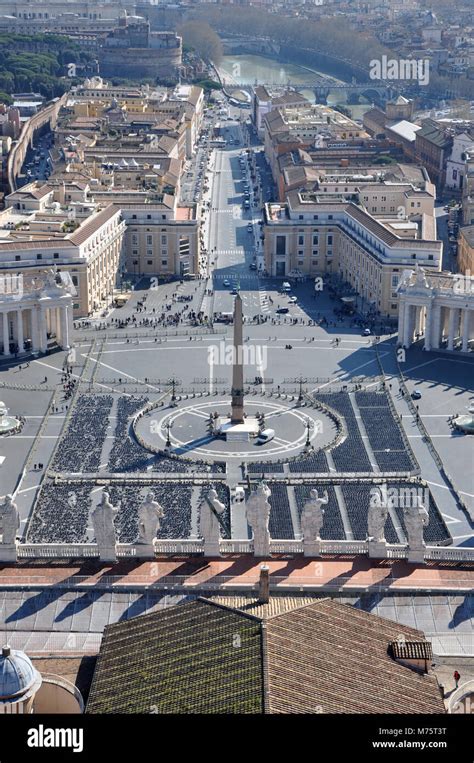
248,68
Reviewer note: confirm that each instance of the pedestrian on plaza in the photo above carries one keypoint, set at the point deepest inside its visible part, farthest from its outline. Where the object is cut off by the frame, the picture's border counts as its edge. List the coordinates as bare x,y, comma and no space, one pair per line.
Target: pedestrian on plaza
456,676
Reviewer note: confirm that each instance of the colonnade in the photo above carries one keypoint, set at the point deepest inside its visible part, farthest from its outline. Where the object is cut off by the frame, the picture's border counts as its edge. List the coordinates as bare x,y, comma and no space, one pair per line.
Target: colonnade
442,325
30,324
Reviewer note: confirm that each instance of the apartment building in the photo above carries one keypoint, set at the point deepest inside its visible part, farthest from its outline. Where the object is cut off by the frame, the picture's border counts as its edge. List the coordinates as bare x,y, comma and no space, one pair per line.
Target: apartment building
289,129
465,258
433,145
313,236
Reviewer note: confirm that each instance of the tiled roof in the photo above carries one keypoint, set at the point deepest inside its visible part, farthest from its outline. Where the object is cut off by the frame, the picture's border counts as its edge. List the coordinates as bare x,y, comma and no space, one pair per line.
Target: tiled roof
193,658
93,223
237,655
431,132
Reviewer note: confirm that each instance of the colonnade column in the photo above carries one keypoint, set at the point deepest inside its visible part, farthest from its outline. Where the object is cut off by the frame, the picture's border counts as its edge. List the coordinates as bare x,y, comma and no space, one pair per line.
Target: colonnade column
42,330
63,338
453,317
428,326
402,308
408,325
6,334
465,330
19,331
435,327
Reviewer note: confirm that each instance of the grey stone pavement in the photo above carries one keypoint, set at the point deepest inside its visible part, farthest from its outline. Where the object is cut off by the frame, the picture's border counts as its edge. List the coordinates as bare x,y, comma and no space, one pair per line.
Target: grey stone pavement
46,620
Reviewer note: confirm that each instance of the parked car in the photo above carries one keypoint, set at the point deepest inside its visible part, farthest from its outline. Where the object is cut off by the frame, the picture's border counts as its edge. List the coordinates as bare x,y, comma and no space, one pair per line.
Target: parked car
416,394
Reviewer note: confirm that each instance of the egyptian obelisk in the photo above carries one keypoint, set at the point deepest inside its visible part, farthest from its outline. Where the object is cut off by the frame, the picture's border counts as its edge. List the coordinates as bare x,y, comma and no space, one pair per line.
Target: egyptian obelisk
237,415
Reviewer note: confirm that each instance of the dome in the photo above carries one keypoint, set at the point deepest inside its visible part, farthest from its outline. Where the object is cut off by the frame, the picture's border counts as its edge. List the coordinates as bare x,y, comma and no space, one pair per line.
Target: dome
17,675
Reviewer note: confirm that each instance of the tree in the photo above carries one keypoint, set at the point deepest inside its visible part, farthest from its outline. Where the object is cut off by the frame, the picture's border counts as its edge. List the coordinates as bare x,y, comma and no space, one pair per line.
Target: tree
200,36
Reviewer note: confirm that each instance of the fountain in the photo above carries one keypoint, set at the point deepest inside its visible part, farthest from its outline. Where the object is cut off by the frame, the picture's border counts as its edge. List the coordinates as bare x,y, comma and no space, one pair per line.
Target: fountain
465,422
7,423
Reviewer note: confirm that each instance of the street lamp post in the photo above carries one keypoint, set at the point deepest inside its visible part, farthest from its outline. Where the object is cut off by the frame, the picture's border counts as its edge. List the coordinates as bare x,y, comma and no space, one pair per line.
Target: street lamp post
300,396
168,427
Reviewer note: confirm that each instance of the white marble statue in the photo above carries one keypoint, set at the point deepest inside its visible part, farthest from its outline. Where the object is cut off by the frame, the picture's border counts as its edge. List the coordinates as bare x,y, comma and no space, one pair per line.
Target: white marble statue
209,526
416,518
376,519
420,277
312,516
103,523
149,514
9,521
50,279
258,516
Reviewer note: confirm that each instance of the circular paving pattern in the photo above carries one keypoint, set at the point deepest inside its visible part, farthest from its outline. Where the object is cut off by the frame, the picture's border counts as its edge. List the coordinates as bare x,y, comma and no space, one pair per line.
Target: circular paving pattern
189,436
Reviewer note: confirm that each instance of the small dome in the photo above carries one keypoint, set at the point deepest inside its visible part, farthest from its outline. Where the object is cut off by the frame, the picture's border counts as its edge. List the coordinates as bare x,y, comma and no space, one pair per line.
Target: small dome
17,675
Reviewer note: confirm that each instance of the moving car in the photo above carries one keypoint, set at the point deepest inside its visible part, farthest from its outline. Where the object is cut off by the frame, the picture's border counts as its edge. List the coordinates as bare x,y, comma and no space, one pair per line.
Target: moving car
366,332
226,282
265,436
282,310
416,394
293,300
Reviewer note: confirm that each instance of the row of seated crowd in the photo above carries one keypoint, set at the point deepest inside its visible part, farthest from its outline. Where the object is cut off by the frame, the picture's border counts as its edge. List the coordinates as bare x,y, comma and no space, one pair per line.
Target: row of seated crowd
62,512
80,448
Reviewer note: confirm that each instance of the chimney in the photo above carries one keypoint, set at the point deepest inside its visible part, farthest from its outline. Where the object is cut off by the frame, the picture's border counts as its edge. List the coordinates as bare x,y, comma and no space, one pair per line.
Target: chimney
416,655
264,584
6,651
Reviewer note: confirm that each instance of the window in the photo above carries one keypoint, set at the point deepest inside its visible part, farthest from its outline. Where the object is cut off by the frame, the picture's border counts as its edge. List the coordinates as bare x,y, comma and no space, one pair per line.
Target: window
164,262
148,217
39,256
149,240
164,240
329,240
149,262
55,256
300,217
281,245
17,258
300,240
315,240
300,253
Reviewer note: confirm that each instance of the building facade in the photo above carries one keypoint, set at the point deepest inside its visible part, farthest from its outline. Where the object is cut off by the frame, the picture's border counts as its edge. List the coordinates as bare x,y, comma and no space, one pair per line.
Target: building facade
312,236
